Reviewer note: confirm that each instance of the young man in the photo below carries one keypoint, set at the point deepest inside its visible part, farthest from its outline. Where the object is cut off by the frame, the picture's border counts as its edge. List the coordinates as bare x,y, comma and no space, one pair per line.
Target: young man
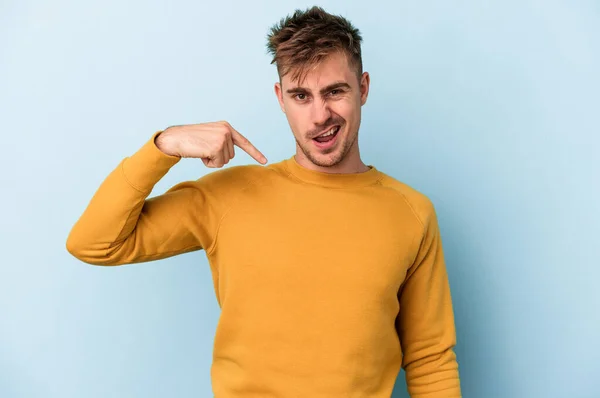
329,273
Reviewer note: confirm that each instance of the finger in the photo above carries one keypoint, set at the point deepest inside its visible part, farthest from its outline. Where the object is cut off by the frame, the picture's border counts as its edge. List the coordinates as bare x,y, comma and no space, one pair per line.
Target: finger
226,157
219,159
247,146
230,147
209,161
216,160
227,148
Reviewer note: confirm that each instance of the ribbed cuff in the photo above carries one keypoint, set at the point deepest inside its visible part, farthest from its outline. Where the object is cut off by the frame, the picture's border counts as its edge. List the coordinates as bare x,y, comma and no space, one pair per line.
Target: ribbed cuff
148,165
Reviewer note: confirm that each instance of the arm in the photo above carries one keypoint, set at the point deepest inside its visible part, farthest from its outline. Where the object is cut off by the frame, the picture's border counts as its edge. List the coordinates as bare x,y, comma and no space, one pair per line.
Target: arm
426,320
120,225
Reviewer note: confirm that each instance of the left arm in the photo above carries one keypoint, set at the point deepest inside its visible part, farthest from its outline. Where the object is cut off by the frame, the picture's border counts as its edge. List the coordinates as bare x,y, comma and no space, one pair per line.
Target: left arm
426,320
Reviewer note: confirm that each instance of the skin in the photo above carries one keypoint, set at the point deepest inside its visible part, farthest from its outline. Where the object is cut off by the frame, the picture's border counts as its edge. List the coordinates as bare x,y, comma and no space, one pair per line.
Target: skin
313,106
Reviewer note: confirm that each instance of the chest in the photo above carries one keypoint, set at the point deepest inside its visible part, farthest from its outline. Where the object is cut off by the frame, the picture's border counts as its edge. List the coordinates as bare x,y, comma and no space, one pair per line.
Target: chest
310,245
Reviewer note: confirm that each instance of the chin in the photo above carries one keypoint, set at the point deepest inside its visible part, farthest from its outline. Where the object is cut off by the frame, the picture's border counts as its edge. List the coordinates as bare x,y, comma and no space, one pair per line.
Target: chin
328,159
323,161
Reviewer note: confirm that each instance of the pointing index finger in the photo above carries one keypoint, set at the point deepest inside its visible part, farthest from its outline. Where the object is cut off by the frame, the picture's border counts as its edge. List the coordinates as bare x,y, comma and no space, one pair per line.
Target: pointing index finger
246,145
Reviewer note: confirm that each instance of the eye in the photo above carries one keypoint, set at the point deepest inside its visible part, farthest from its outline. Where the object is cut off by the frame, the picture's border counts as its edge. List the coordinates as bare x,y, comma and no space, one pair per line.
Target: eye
300,96
334,91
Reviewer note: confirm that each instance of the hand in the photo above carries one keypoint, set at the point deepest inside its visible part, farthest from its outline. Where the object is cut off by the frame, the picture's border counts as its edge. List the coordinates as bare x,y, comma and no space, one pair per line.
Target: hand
212,142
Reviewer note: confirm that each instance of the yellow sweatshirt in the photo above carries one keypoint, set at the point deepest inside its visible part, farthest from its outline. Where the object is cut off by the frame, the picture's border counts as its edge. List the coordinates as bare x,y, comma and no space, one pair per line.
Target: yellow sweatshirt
327,283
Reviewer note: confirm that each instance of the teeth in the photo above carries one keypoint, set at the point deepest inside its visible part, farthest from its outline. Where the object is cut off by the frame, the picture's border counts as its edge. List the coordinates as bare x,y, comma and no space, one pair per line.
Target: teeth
330,132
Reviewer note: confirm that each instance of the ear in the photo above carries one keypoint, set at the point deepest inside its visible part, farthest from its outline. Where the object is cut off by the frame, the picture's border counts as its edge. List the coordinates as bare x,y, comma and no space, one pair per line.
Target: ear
365,82
279,94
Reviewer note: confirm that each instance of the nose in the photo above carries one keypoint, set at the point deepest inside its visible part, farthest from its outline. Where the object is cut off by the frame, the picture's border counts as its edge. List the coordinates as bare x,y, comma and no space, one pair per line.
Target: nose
320,112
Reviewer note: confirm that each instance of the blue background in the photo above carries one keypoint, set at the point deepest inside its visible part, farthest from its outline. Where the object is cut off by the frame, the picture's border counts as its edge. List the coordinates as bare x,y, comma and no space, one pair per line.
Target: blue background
491,108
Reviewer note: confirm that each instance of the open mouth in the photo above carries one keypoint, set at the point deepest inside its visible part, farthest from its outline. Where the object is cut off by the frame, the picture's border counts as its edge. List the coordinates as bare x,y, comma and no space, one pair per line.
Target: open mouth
328,136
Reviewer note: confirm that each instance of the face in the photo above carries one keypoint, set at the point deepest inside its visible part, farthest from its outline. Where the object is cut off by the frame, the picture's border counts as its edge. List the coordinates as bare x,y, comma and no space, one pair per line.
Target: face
331,96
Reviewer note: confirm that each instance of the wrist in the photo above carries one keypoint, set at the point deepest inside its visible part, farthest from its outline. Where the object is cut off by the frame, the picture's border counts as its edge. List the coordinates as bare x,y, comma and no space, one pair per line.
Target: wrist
165,143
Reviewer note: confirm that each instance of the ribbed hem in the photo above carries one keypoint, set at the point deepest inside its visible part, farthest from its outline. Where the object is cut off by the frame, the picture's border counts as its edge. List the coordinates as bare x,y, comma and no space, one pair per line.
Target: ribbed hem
148,165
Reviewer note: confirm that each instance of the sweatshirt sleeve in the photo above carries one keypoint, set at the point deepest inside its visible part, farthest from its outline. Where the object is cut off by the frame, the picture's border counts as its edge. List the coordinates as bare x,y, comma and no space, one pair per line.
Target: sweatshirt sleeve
121,225
426,320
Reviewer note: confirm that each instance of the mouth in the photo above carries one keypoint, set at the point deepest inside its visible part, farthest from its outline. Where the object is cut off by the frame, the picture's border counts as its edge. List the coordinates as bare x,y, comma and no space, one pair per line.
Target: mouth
327,138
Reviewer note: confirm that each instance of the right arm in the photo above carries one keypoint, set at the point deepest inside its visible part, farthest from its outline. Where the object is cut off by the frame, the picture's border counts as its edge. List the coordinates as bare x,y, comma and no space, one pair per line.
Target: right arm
121,225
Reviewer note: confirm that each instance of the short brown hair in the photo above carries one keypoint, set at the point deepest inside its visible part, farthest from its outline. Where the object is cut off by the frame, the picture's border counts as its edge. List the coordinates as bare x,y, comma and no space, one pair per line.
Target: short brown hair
302,40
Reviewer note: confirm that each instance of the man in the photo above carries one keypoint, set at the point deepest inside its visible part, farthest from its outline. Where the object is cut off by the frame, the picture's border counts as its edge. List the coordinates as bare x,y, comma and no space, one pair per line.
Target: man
329,273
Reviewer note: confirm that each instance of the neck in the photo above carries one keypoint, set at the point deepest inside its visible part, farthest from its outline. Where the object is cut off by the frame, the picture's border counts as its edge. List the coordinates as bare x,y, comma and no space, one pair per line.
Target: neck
350,164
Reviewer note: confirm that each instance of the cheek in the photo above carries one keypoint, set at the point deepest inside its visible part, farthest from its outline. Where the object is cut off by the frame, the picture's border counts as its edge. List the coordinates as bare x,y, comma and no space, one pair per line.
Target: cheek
297,121
347,110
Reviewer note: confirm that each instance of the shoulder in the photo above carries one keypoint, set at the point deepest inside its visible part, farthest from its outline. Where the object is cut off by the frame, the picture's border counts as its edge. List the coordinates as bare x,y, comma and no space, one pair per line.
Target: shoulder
223,187
234,175
420,204
233,178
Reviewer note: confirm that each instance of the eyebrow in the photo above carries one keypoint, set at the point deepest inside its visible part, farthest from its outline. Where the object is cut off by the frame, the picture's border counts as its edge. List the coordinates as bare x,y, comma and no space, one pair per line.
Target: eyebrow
333,86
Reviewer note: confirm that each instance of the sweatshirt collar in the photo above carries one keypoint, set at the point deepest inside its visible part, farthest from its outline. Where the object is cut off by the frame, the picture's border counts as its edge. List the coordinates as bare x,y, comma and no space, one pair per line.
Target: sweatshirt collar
331,180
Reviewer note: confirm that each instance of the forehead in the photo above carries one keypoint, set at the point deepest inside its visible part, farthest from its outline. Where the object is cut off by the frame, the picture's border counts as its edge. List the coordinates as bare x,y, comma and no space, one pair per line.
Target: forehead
333,68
